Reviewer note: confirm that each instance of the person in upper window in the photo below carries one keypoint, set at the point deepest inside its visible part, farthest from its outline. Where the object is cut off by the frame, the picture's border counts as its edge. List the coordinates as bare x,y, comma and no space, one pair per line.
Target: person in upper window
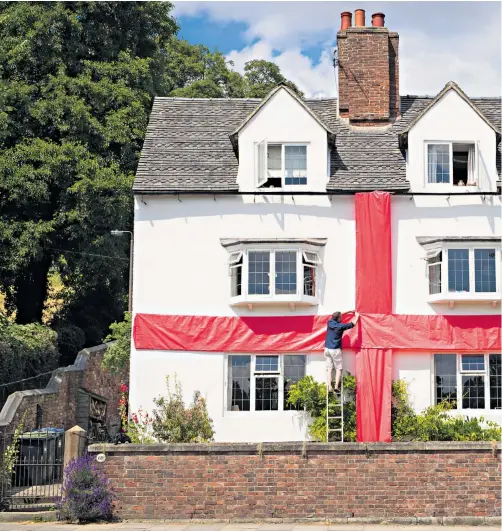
333,348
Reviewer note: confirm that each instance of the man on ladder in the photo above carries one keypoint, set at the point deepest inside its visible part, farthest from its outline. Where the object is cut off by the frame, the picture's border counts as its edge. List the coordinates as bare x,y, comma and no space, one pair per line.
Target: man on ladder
333,348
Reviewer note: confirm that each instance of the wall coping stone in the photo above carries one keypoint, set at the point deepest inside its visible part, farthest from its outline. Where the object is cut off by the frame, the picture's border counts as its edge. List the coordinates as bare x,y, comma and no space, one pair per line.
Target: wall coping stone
15,399
288,447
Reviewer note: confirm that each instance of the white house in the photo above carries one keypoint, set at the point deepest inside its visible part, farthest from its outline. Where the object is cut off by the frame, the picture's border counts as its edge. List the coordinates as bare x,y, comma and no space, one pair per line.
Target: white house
246,208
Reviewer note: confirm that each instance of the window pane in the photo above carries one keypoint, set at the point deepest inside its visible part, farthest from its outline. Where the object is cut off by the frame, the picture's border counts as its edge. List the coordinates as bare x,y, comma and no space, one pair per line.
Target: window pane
484,270
294,370
438,163
267,363
285,272
274,157
295,161
236,281
259,272
473,363
309,280
239,378
473,392
458,270
445,366
495,382
267,394
435,274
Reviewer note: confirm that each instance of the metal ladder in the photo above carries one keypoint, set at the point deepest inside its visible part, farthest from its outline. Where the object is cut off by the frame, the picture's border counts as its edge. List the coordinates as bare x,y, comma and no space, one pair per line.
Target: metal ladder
339,406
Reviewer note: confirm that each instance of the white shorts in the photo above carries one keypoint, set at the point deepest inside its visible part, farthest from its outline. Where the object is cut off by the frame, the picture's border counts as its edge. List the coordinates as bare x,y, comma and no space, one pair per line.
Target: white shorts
333,358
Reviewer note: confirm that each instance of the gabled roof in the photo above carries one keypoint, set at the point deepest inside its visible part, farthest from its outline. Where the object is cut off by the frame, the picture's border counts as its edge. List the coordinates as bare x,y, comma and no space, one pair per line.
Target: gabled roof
271,94
188,148
403,137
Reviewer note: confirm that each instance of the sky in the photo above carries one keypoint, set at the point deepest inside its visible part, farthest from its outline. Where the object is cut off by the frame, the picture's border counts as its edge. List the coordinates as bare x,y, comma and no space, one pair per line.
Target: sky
439,41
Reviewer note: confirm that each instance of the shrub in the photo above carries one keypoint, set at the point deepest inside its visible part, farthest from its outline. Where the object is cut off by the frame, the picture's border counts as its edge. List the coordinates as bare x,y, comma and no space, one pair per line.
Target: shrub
139,426
26,350
117,354
174,423
86,494
434,424
310,395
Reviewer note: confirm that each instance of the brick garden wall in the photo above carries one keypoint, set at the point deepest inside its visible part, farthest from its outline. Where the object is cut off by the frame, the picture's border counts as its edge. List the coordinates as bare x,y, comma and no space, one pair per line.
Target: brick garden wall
59,399
291,480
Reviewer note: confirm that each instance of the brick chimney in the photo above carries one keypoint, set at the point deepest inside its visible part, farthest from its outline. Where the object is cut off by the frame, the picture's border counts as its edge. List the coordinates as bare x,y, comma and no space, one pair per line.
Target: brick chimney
368,71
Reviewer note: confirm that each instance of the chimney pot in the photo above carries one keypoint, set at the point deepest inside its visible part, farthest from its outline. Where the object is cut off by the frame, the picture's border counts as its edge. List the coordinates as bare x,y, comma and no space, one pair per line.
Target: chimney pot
346,20
378,20
359,13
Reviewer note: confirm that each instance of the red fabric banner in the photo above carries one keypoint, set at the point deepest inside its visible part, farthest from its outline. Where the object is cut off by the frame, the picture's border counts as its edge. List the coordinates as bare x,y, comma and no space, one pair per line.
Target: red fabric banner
438,333
374,395
373,253
373,295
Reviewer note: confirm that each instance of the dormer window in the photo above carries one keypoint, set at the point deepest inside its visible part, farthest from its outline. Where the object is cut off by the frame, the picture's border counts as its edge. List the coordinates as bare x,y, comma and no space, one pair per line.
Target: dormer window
280,165
451,163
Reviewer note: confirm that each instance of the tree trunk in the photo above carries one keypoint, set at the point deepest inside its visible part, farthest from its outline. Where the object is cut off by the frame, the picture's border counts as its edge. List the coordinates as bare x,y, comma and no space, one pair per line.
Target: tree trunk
31,292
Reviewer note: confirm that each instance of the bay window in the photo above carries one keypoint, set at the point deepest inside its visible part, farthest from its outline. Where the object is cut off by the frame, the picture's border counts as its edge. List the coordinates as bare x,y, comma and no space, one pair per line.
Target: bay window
280,274
459,272
262,382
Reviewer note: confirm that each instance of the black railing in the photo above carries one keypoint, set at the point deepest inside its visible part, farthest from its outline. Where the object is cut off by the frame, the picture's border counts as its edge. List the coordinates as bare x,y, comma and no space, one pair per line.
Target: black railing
32,480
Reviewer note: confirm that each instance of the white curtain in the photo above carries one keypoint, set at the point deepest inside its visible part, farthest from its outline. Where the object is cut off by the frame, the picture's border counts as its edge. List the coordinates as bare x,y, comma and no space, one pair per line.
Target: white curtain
432,163
471,164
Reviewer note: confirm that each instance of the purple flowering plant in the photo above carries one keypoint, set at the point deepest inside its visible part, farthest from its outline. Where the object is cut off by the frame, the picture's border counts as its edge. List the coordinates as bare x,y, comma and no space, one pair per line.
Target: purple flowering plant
86,493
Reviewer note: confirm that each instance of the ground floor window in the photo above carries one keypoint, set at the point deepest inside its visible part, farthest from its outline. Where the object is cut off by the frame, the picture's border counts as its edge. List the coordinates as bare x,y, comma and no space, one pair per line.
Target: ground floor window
261,382
468,381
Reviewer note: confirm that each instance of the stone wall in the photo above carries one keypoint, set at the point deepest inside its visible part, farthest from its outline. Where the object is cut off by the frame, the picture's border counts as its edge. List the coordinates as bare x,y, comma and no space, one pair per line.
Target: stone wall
58,401
298,481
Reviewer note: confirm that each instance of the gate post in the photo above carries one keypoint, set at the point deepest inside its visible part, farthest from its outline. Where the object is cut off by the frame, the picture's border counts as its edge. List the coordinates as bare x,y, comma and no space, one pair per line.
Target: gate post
74,444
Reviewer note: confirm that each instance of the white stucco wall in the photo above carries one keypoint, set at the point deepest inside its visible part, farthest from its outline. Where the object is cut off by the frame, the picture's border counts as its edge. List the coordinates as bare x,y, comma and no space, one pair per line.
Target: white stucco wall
436,216
205,372
451,120
180,267
282,119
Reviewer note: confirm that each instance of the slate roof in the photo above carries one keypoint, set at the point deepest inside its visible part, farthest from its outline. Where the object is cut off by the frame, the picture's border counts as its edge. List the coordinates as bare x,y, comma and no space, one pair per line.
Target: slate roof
188,148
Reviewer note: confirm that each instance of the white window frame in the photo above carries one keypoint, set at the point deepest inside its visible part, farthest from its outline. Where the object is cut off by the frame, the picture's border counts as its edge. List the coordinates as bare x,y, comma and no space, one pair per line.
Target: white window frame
252,384
260,182
450,143
472,294
272,297
460,373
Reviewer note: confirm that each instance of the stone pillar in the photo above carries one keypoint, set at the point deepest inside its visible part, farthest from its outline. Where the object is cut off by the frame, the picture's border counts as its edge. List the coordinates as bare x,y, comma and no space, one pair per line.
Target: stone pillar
74,444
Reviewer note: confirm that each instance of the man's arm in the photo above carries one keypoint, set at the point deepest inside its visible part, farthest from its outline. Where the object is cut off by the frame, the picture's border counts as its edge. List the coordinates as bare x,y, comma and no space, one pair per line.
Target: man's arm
356,318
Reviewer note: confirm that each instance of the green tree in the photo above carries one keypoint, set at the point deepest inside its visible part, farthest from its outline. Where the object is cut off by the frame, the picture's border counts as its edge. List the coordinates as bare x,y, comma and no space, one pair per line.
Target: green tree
118,353
262,76
194,71
77,82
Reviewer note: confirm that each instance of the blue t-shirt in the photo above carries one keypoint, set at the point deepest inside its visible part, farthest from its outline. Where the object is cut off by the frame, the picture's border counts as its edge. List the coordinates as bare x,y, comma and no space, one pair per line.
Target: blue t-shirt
335,333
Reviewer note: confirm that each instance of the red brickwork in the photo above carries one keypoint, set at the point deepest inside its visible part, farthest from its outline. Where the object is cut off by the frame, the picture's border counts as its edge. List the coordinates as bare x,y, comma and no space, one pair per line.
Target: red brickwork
294,481
368,75
59,401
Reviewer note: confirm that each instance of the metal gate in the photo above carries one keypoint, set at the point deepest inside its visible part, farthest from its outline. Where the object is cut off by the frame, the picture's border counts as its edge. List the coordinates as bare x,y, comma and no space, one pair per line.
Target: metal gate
31,478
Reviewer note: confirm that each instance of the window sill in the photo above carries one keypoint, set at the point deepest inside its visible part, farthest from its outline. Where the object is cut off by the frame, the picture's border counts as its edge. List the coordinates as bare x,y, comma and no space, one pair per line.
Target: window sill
451,188
287,412
465,298
286,300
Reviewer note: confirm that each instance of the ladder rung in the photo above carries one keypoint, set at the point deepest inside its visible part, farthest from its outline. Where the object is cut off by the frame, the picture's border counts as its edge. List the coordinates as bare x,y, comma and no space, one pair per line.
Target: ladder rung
337,429
331,418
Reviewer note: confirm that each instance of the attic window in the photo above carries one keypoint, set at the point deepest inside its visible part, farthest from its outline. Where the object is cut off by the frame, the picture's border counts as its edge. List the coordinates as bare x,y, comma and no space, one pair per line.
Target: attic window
281,165
451,163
